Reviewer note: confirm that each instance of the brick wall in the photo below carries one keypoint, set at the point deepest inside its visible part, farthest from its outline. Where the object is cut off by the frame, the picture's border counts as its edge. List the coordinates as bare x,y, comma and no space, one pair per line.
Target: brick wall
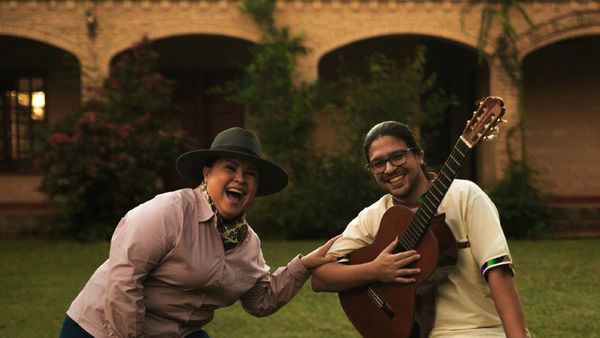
555,128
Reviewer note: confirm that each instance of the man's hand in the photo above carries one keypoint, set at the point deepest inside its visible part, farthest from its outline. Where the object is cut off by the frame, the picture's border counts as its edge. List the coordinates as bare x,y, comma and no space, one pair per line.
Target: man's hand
390,267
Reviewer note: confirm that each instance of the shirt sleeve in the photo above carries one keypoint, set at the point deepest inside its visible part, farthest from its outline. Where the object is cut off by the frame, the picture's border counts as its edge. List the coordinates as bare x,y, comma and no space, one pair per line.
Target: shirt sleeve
272,292
360,232
140,241
487,240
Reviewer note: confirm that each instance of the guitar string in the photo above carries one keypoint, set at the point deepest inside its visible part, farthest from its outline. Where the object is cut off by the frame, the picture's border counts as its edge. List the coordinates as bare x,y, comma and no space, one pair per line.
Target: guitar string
423,216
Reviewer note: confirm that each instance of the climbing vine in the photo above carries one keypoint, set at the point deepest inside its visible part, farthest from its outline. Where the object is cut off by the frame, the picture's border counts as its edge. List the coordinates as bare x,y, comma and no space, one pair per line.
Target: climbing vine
500,12
523,207
281,111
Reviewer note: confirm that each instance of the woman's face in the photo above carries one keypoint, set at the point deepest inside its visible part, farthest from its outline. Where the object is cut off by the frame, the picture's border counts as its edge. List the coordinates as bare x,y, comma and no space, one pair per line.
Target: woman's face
231,183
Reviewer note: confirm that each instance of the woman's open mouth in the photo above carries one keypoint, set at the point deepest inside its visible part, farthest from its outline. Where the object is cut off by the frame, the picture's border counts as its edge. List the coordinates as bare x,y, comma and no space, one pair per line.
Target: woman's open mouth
235,194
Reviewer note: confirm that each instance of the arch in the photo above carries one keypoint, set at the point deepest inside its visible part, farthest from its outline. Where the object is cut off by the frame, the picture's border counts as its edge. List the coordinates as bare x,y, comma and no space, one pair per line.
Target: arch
44,37
308,65
230,31
433,32
457,71
571,25
560,82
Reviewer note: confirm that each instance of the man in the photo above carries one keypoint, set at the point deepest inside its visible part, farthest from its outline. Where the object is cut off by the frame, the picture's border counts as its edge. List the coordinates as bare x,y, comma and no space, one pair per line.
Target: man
478,297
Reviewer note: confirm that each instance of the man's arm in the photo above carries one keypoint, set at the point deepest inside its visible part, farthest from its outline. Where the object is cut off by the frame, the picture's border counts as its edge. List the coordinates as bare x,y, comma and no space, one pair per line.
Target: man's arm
506,299
387,267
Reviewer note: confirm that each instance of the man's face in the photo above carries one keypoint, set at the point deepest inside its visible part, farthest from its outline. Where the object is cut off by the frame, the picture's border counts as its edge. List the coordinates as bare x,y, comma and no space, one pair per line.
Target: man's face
406,181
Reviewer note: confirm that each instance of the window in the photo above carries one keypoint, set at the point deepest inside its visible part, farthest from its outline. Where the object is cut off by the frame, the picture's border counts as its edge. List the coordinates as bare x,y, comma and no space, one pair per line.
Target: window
23,109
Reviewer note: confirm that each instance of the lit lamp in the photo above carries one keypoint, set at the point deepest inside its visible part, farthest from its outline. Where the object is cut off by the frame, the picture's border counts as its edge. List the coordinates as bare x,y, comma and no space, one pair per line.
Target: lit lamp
38,105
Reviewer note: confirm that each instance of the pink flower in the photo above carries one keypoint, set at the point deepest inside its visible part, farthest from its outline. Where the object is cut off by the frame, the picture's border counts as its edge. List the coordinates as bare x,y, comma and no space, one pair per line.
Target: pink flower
91,116
114,85
59,139
125,130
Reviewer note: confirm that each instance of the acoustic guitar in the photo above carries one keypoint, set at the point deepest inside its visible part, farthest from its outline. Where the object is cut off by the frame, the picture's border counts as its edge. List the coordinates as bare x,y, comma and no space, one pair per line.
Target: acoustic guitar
386,310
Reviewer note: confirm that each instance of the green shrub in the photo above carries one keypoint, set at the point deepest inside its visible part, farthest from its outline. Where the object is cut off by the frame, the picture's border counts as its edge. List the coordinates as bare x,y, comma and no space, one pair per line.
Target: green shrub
329,189
522,206
326,189
117,156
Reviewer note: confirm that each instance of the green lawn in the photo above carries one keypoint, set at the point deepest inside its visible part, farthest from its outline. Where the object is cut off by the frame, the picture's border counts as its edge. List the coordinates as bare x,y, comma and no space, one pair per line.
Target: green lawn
558,282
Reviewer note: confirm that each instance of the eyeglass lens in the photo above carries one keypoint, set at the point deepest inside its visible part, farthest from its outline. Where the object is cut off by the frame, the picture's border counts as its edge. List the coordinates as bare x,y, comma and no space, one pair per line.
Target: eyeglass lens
396,159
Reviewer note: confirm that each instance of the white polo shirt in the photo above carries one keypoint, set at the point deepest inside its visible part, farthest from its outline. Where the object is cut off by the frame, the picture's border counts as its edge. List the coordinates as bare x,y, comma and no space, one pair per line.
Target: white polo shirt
464,307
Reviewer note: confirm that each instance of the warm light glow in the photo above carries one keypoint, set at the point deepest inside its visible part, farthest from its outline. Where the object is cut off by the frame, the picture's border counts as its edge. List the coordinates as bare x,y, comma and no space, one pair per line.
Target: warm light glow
38,105
23,99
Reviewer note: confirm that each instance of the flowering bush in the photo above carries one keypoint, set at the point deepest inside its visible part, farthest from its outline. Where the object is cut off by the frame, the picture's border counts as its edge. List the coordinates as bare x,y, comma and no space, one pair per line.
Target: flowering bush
117,156
101,170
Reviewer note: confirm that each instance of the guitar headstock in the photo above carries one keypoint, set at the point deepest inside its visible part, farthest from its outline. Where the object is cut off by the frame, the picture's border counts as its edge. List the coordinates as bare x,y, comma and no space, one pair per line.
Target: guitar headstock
484,123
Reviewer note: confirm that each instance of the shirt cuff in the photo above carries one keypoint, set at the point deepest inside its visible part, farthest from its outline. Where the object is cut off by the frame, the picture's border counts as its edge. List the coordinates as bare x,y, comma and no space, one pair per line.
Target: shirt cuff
497,261
298,270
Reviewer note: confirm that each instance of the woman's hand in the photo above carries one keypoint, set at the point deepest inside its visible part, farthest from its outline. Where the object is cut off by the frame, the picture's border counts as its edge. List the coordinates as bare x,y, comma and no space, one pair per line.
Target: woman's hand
317,257
391,267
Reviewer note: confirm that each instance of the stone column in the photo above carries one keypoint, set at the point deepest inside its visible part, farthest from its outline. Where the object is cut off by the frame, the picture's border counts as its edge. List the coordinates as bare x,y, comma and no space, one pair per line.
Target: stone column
494,157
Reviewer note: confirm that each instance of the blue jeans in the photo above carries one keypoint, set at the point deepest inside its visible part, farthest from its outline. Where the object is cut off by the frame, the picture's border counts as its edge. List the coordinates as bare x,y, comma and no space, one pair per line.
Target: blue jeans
71,329
199,334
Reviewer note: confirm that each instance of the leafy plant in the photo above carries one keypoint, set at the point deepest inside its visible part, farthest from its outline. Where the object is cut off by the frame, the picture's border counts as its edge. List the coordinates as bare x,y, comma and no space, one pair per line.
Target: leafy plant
339,185
522,205
116,156
326,190
389,91
279,110
523,209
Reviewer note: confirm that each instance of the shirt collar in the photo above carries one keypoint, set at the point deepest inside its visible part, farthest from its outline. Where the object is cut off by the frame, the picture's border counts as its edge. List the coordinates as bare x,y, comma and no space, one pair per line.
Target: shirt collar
204,210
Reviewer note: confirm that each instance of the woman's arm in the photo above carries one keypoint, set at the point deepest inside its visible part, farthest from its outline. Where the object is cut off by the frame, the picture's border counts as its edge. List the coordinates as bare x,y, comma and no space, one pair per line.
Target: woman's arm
506,299
274,291
142,238
387,267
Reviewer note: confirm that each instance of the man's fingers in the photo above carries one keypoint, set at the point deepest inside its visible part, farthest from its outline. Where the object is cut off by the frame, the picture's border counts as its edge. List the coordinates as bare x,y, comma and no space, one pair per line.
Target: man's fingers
404,280
405,258
390,248
407,254
406,276
408,272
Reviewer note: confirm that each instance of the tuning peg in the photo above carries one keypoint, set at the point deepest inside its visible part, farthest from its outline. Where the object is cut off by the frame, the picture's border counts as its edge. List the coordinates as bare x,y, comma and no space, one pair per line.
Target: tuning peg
492,134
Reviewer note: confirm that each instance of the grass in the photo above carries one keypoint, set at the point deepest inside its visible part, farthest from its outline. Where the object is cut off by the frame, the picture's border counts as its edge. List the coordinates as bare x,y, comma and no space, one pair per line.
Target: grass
557,280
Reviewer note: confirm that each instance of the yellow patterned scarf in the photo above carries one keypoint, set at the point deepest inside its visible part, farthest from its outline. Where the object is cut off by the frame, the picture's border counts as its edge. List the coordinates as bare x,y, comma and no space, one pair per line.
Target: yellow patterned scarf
232,231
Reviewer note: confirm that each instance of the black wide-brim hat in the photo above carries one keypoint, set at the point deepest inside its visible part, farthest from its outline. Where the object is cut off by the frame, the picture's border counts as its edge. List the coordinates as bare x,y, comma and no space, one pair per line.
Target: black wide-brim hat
239,143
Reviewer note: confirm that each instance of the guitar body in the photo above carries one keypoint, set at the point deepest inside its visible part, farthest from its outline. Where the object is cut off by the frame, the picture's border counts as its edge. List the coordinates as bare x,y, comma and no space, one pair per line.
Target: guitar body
437,247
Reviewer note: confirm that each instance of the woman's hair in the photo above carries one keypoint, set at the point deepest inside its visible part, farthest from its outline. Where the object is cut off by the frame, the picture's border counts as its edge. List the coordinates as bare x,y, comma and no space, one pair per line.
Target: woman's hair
394,129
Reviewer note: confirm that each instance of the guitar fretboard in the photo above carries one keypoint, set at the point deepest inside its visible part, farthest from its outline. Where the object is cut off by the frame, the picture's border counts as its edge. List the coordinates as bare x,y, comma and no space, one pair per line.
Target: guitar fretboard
433,197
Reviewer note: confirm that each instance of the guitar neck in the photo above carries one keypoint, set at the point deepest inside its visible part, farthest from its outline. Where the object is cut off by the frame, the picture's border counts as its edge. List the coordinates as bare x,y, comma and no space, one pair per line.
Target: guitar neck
433,197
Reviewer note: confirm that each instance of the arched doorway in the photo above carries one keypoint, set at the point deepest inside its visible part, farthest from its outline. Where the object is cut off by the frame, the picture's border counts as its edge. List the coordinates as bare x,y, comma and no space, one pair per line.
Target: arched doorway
200,65
561,85
457,70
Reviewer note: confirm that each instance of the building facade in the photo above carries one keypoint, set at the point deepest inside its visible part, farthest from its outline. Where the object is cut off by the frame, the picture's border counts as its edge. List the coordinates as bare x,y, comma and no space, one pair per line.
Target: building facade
55,53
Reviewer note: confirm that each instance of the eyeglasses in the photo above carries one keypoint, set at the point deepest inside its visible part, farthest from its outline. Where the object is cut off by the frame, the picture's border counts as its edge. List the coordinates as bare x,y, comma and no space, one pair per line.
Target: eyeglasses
397,158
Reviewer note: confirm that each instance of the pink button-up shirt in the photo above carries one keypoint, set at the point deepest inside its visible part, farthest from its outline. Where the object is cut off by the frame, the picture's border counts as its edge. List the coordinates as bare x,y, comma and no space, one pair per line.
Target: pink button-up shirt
167,272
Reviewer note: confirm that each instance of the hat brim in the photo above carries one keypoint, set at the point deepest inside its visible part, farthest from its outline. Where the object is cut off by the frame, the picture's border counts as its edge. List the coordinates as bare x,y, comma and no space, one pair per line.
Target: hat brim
272,178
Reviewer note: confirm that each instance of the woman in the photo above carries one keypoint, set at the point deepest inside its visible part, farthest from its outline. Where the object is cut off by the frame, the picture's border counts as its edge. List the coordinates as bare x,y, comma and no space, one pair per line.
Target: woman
176,258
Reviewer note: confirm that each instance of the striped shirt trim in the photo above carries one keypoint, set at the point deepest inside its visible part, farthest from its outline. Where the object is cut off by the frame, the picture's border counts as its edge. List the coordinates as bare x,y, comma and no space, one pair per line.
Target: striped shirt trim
500,260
